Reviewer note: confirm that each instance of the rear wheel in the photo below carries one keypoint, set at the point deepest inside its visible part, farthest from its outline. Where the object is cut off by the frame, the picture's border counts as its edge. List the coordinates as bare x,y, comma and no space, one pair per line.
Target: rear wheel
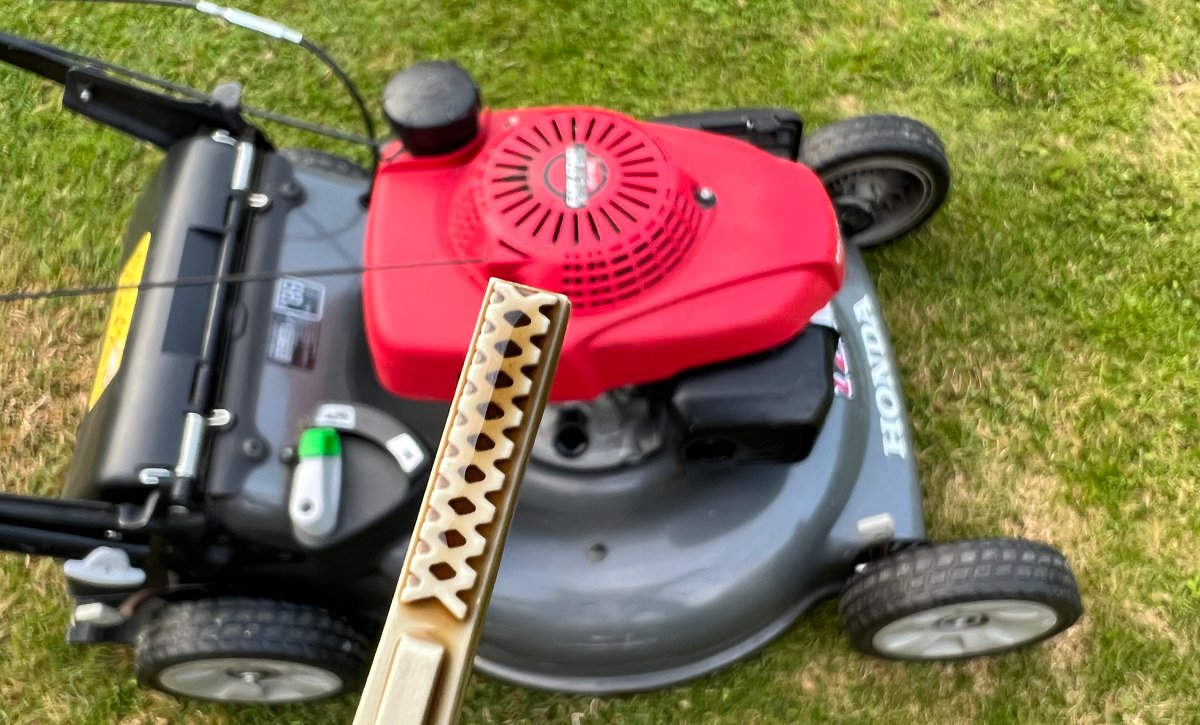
242,650
885,175
959,600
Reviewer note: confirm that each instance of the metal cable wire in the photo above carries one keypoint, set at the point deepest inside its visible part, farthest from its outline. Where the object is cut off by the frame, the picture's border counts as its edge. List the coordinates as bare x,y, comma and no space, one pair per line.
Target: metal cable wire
242,278
297,39
281,33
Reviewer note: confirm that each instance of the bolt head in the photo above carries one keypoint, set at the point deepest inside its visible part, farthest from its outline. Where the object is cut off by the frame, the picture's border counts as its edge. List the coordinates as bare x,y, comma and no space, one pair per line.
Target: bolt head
254,448
291,190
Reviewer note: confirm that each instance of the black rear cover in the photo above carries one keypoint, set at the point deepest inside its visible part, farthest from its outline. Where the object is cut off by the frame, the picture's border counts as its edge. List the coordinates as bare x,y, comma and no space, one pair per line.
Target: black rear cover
137,421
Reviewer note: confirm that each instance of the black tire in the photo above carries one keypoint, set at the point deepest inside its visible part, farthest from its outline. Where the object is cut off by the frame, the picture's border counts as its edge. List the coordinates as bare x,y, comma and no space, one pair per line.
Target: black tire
934,592
260,651
886,175
327,162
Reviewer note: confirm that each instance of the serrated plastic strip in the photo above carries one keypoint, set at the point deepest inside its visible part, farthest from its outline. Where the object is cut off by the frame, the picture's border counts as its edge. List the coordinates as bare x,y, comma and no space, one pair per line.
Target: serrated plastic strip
423,662
477,444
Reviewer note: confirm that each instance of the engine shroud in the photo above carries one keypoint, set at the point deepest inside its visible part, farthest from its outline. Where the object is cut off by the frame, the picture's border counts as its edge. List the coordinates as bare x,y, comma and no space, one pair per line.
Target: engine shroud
592,196
678,248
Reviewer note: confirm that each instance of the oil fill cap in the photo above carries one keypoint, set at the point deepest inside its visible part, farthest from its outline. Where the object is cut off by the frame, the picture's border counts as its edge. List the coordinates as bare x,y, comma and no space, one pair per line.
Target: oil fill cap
433,107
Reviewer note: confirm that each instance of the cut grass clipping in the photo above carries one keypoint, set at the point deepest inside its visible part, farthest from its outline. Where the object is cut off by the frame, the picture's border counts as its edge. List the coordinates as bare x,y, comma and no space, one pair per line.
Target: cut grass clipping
1047,321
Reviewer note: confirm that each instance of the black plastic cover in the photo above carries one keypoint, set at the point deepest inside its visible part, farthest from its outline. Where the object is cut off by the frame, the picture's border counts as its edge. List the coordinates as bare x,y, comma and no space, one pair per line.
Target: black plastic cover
774,130
138,420
433,107
768,406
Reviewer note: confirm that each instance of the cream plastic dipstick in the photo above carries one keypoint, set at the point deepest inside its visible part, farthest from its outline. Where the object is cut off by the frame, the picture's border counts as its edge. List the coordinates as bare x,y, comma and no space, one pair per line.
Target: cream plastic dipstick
423,662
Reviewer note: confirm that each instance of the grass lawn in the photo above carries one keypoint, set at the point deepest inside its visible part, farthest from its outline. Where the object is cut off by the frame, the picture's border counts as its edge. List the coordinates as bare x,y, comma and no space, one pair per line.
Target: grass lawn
1047,321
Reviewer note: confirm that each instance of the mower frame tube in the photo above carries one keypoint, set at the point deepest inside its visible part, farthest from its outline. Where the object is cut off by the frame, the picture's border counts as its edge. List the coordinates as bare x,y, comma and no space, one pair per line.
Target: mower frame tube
195,425
60,544
62,529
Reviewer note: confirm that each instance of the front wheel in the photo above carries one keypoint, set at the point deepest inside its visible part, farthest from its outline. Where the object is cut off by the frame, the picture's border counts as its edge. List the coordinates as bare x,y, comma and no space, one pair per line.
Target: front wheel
961,599
250,651
884,174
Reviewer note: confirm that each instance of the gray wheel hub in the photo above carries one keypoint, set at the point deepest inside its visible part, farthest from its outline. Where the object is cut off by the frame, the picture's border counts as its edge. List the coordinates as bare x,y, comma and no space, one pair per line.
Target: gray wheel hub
879,199
966,629
249,680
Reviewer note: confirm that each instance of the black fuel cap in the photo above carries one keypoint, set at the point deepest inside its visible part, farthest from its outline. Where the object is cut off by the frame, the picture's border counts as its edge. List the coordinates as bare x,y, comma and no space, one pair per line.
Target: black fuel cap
433,107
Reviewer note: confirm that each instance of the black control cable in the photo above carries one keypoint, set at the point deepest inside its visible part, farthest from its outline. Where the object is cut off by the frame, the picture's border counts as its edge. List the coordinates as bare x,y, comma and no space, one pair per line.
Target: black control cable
271,29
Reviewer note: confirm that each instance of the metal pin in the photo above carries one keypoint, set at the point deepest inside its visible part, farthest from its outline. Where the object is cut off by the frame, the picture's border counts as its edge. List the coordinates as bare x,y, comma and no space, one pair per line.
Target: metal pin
154,476
219,417
189,449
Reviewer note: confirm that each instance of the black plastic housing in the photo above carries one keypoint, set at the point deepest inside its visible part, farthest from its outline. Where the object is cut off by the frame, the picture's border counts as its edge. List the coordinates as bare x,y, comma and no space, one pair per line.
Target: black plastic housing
775,130
769,406
137,421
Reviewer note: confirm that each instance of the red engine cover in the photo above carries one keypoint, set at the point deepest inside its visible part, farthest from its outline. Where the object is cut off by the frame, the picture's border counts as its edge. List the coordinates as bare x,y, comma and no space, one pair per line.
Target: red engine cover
604,209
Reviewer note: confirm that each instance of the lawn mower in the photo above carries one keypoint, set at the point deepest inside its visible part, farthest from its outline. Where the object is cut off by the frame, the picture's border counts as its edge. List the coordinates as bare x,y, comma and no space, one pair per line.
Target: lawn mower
726,442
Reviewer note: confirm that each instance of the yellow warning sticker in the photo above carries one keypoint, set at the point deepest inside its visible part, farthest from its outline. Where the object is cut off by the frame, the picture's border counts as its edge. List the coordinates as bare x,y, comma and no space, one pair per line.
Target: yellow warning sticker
119,318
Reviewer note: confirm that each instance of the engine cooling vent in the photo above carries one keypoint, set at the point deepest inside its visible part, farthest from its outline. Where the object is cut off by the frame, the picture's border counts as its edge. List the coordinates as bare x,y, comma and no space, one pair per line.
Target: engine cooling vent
590,193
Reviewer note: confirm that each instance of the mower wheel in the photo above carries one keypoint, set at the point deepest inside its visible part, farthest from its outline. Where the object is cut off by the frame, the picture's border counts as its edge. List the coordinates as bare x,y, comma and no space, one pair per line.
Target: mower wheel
960,599
885,175
324,161
242,650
